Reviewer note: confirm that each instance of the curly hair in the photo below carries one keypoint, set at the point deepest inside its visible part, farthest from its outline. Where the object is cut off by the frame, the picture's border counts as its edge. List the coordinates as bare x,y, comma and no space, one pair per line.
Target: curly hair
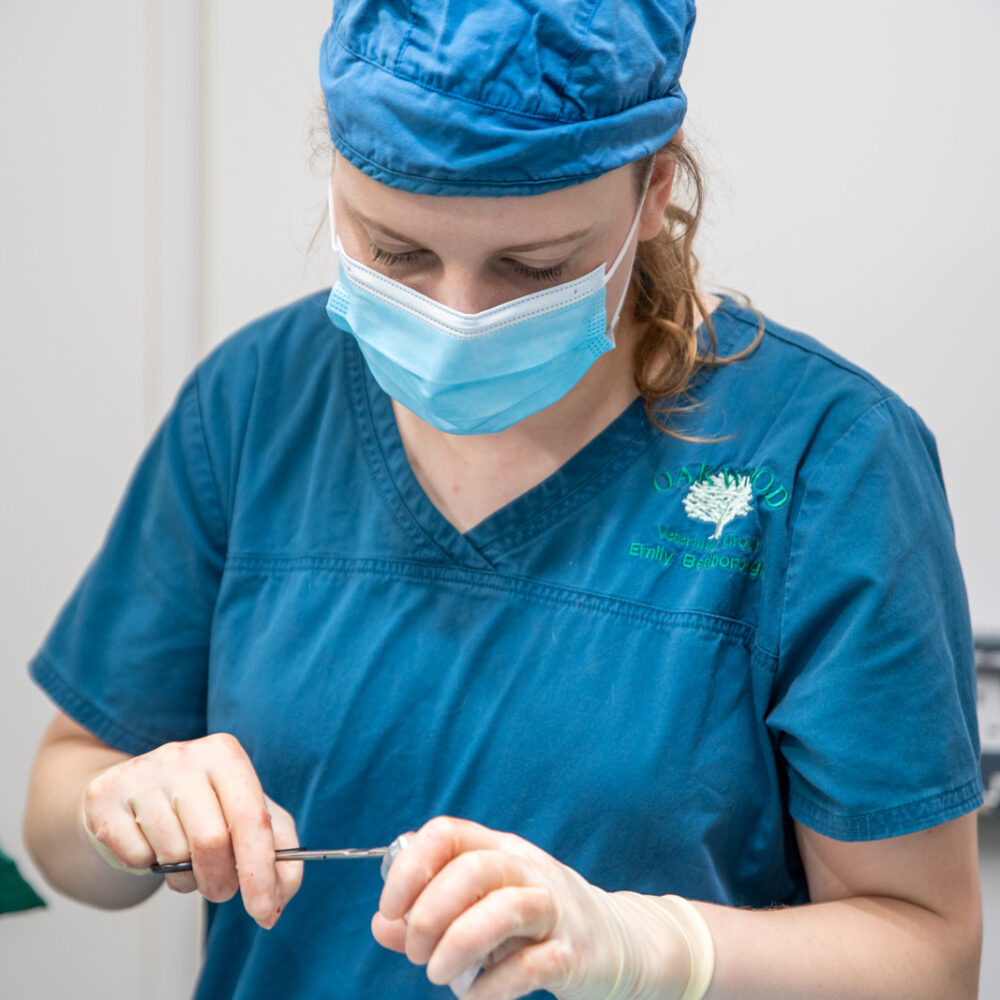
667,357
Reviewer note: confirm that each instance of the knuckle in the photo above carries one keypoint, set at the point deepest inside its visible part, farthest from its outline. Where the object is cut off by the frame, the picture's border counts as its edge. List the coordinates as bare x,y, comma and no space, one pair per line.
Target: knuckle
134,857
99,788
557,962
442,828
95,814
247,824
101,829
418,944
210,844
92,792
226,743
419,927
484,869
546,967
464,938
170,751
536,905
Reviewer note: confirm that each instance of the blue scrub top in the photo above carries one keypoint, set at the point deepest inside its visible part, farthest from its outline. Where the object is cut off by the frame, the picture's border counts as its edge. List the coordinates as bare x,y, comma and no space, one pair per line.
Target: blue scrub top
647,665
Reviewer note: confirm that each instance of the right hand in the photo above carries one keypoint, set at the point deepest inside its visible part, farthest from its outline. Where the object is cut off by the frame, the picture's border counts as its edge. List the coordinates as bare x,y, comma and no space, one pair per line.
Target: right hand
200,800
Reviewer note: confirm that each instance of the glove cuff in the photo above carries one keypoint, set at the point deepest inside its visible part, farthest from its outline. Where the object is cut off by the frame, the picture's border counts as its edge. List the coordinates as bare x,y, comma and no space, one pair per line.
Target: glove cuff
664,946
701,947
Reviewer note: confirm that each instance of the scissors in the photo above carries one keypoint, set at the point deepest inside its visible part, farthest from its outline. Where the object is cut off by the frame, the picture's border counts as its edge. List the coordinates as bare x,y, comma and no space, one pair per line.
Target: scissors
303,854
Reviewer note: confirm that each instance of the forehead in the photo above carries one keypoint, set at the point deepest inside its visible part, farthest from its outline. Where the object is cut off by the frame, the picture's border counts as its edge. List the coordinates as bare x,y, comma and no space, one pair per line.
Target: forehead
594,205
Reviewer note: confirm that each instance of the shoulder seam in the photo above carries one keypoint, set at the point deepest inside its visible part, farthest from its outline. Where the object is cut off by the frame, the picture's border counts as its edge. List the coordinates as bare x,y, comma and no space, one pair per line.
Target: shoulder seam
203,440
828,356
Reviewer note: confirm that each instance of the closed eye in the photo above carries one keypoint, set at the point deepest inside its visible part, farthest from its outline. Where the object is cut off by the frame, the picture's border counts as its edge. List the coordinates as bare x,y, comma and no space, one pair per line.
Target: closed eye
387,257
538,273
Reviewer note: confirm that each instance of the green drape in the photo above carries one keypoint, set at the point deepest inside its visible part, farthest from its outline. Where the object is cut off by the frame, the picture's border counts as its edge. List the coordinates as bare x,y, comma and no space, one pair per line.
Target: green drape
15,893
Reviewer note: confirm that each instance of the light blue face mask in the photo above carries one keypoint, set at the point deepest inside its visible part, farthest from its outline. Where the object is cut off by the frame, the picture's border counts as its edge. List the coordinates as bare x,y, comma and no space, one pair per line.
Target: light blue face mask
476,373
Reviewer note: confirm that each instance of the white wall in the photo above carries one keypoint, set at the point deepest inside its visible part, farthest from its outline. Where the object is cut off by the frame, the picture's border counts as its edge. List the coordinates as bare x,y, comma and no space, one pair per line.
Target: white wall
156,193
852,148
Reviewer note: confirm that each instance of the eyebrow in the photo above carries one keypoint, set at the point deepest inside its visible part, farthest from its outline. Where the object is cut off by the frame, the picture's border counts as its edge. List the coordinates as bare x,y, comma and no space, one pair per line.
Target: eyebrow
519,248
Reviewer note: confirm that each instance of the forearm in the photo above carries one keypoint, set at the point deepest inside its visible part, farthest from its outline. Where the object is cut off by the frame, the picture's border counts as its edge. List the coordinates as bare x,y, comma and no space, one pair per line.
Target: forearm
863,947
55,835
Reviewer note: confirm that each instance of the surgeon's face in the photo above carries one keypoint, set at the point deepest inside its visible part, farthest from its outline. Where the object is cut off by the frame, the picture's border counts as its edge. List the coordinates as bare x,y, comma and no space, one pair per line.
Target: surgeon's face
474,253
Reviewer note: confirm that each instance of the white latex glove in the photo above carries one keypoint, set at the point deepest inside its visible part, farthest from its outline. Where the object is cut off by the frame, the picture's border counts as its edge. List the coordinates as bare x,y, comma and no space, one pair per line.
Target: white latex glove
472,896
199,800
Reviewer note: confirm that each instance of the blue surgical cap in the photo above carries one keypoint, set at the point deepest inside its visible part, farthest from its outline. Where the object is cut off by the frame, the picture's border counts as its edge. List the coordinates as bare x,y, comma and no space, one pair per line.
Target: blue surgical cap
502,97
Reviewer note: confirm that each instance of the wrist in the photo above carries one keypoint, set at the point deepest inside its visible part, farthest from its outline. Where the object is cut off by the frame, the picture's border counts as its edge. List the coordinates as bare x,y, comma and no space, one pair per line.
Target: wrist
665,946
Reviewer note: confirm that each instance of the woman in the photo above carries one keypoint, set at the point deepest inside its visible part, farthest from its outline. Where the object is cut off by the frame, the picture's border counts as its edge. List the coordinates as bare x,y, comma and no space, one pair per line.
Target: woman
533,538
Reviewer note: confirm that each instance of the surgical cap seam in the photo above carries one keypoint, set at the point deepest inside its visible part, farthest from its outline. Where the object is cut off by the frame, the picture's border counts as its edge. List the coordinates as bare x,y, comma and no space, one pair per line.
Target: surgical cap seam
425,179
406,38
461,97
576,55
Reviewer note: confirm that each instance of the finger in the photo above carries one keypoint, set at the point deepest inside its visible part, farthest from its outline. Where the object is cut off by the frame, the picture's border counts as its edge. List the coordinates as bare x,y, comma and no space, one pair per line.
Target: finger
464,881
545,966
109,817
288,874
181,882
212,860
428,851
245,810
115,834
154,816
519,914
390,934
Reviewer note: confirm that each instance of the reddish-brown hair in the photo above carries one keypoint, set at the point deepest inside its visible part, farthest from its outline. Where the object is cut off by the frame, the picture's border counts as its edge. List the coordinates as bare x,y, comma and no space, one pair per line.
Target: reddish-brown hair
667,356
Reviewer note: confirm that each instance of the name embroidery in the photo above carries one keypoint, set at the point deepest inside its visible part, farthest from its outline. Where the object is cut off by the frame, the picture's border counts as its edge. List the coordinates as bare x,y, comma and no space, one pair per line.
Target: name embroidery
717,495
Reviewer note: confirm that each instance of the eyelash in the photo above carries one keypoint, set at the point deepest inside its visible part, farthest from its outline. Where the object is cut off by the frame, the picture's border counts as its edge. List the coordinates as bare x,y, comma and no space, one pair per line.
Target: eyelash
534,273
386,257
539,273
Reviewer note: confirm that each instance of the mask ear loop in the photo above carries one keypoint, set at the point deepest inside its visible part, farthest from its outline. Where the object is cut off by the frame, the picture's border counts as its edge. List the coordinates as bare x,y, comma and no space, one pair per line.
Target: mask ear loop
621,255
329,204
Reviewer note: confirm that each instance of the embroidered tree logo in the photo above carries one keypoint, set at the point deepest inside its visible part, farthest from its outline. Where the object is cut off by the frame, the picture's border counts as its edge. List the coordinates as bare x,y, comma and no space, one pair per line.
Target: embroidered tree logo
719,500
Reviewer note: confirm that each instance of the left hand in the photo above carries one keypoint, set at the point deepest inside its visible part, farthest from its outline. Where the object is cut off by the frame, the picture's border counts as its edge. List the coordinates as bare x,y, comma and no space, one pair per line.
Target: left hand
472,897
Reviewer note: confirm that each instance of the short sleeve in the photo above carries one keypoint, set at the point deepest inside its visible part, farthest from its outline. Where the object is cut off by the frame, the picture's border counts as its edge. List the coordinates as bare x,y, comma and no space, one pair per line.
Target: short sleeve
873,706
128,654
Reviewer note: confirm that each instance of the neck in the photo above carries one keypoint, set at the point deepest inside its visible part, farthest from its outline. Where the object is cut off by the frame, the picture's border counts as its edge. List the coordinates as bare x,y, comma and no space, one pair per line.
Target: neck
468,477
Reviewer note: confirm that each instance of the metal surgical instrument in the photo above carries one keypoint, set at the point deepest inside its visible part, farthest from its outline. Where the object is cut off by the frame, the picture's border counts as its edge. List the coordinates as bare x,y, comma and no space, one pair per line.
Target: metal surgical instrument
459,985
303,854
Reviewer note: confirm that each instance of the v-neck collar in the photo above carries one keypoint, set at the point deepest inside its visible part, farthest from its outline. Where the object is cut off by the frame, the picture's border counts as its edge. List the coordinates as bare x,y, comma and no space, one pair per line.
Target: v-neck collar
560,495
